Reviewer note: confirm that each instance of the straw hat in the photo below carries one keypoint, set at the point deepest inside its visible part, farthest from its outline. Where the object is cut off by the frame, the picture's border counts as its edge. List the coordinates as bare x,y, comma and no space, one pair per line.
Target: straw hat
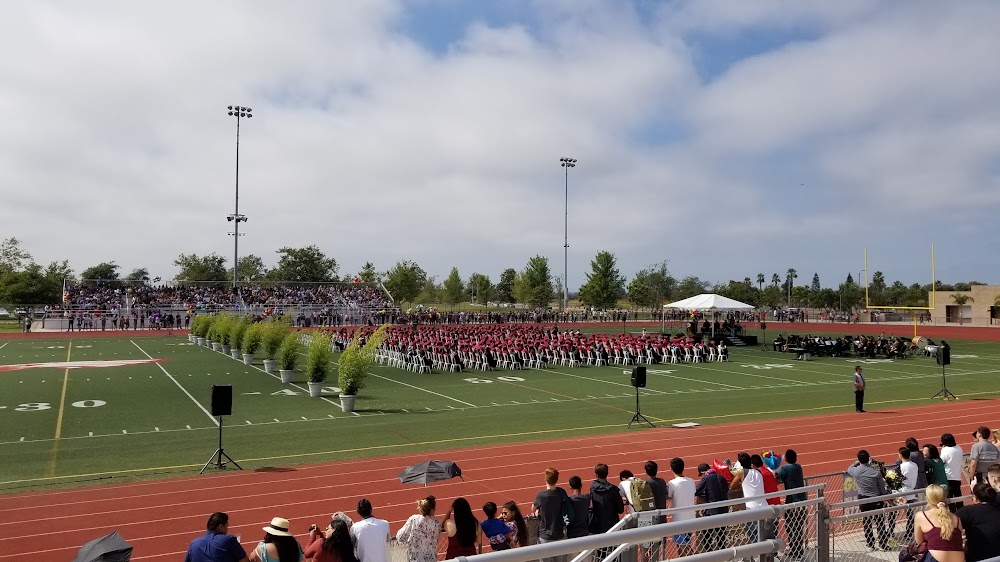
278,527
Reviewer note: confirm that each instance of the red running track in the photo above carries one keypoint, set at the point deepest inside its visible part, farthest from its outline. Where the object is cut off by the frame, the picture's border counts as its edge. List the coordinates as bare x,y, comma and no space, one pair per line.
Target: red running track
159,518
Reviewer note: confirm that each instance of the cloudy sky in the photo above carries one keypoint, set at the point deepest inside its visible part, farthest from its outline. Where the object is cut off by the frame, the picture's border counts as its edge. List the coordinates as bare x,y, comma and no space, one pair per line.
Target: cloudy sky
728,137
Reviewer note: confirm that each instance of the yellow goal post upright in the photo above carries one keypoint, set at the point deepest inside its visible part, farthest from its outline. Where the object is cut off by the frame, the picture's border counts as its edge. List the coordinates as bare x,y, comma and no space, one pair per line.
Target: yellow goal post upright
932,302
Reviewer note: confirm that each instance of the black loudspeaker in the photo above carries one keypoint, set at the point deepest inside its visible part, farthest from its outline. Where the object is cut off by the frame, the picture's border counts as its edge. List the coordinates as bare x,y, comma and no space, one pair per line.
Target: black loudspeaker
639,377
944,356
222,399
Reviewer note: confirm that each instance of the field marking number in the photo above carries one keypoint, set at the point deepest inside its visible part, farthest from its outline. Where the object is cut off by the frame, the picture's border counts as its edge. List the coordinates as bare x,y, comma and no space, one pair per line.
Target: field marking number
290,392
869,361
39,406
477,380
770,366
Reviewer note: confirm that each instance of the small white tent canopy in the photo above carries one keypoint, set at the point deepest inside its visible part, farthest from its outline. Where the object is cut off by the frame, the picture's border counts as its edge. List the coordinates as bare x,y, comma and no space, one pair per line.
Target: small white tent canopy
709,301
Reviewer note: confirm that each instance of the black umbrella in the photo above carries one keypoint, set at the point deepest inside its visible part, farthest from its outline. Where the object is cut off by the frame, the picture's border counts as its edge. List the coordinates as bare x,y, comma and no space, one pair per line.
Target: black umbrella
429,471
109,548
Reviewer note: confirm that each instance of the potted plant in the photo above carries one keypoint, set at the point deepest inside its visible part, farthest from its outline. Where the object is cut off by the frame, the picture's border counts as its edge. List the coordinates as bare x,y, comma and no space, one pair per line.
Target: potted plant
214,337
318,356
196,329
252,340
288,355
222,327
353,365
204,327
274,332
237,328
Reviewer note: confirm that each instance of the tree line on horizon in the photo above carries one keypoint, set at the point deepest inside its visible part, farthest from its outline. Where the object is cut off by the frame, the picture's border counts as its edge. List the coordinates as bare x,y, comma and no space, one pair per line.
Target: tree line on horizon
23,281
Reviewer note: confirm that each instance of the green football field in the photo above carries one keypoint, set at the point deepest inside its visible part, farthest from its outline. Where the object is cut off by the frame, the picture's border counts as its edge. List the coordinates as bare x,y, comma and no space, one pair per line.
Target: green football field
140,407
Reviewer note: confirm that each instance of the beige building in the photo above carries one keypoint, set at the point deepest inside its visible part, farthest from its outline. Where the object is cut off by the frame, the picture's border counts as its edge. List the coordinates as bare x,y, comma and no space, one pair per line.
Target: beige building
980,309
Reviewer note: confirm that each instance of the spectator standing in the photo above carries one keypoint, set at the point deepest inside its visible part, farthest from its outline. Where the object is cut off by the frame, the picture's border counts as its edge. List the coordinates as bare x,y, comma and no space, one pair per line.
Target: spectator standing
625,488
791,476
870,484
335,545
370,535
421,532
917,458
751,482
712,487
659,488
908,470
982,455
953,457
496,532
940,528
934,466
981,522
462,528
681,491
216,545
511,515
548,506
278,544
606,501
859,390
993,475
581,509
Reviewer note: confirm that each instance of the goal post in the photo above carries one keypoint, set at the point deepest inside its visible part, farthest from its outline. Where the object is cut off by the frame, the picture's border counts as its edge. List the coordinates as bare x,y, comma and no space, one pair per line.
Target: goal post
931,301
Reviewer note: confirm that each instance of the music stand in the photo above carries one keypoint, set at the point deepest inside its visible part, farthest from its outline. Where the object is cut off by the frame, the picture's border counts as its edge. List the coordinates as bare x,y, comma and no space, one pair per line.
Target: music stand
219,454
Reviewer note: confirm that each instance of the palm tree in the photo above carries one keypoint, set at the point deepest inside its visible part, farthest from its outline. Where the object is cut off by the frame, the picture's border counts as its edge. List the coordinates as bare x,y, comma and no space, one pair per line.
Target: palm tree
960,300
792,275
746,281
775,279
760,281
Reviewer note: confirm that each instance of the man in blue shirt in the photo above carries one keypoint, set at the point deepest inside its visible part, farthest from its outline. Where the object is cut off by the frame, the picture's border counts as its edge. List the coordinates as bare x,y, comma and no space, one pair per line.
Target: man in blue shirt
216,545
790,474
712,488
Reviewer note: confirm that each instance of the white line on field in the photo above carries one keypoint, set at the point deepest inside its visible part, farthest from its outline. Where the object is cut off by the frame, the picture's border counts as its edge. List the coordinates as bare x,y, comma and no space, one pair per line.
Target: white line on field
207,413
4,345
423,389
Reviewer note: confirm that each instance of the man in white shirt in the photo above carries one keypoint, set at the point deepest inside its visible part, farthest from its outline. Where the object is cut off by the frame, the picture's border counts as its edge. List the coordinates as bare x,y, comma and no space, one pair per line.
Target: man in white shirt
625,489
953,457
752,484
908,470
680,491
370,535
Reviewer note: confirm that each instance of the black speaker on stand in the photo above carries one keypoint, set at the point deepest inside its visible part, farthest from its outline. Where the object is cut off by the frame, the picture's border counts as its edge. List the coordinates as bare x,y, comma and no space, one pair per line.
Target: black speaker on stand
638,381
222,405
943,356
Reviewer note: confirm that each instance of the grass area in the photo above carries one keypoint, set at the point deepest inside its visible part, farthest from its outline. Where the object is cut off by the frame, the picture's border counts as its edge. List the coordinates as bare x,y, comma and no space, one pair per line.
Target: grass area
143,420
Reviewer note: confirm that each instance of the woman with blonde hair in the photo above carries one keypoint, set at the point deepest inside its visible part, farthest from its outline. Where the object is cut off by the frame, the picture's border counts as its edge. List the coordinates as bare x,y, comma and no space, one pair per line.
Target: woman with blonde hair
939,527
420,533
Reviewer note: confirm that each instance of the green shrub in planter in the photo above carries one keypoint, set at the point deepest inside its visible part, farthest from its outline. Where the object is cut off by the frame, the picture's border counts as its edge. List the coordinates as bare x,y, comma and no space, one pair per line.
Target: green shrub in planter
354,362
211,331
253,338
237,328
318,356
198,326
223,326
288,353
274,333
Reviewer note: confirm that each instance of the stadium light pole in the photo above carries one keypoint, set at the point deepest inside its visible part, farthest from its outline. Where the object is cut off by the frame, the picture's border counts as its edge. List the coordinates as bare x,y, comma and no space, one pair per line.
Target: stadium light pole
239,112
566,163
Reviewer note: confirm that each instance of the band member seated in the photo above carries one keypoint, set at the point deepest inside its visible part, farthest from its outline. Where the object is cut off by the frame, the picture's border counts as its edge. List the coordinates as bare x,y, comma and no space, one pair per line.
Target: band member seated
778,344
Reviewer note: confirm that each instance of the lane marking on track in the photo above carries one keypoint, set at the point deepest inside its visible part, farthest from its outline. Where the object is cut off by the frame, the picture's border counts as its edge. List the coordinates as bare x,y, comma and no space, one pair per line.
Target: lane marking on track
53,455
184,390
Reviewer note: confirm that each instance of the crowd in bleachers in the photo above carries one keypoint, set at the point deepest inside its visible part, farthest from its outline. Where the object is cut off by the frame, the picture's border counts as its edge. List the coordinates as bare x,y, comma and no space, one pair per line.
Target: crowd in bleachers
517,346
953,532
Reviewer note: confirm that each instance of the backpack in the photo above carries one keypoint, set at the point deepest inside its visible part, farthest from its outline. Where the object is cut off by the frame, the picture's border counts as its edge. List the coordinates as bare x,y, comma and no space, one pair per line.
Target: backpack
641,495
567,508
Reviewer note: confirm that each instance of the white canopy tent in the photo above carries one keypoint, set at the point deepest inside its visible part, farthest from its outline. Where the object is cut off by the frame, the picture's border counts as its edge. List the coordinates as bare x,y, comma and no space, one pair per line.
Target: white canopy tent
709,301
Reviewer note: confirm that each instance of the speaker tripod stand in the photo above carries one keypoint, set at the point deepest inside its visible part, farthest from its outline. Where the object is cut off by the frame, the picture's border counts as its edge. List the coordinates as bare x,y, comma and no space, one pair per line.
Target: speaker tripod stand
218,455
638,416
944,393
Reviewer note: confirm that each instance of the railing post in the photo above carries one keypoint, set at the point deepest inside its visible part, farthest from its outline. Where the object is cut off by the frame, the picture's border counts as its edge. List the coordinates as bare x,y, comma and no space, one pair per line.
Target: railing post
822,531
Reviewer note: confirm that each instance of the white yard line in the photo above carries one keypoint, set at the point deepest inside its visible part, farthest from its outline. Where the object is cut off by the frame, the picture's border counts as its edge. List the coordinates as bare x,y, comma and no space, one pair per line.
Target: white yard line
184,390
4,344
423,389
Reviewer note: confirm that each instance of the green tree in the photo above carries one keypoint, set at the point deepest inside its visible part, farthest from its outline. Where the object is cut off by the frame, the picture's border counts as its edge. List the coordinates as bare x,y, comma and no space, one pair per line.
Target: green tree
790,278
815,286
454,288
12,256
604,284
963,286
504,290
32,286
775,279
741,291
661,284
557,290
201,268
251,269
960,300
405,281
431,291
368,274
760,281
534,285
876,288
639,292
107,271
479,288
138,275
304,265
772,296
690,286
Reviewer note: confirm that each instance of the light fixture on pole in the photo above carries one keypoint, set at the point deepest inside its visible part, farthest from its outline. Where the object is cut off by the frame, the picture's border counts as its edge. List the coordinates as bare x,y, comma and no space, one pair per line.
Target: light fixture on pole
239,112
566,163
